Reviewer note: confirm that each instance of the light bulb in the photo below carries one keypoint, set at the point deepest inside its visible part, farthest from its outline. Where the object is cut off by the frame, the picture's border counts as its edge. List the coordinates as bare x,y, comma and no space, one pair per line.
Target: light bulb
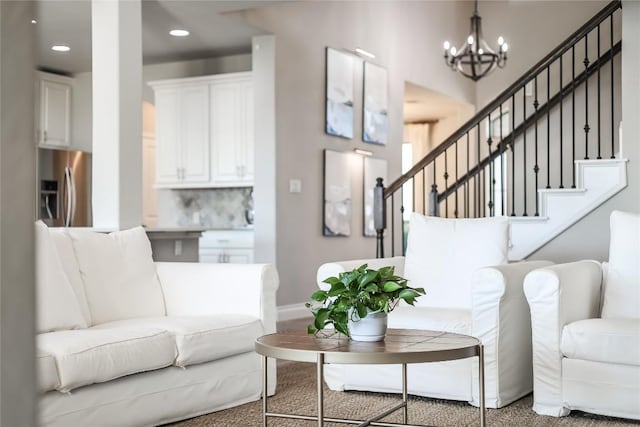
480,51
500,40
453,50
505,47
470,39
446,45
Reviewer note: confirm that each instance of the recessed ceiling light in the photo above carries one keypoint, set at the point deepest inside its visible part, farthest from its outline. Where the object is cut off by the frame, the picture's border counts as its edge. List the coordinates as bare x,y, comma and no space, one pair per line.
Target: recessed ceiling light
179,33
33,21
60,48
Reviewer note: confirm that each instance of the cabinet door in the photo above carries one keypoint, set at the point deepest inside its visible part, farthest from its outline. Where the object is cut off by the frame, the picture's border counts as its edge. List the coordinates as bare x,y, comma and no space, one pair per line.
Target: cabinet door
246,132
211,255
194,141
168,162
239,256
55,113
225,106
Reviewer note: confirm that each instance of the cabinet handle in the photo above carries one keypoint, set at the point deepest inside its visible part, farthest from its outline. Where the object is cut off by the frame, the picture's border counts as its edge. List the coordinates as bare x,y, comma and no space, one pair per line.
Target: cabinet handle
45,135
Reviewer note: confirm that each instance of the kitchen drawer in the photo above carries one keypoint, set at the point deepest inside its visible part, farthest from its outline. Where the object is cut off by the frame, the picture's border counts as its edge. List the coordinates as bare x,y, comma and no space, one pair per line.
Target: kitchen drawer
227,239
232,256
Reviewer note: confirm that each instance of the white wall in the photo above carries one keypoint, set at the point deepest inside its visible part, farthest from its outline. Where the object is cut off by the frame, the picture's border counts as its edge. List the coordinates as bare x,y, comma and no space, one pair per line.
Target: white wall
17,184
407,39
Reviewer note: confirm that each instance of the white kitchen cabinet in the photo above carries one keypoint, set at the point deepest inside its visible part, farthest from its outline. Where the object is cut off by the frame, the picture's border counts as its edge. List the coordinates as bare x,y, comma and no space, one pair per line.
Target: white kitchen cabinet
232,130
182,135
205,131
53,115
227,246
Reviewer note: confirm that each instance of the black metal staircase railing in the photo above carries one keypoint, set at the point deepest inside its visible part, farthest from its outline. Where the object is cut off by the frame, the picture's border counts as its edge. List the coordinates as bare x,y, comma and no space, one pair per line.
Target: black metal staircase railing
526,139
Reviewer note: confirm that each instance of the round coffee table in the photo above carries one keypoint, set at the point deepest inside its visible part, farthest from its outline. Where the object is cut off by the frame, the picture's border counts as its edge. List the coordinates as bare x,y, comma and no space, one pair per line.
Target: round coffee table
400,346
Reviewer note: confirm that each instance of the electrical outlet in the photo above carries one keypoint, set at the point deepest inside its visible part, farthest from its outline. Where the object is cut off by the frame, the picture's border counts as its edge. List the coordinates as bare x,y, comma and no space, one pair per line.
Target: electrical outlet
295,186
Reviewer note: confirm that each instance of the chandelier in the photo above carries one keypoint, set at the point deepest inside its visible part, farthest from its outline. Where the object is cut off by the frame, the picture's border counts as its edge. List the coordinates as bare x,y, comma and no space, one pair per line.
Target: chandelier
475,59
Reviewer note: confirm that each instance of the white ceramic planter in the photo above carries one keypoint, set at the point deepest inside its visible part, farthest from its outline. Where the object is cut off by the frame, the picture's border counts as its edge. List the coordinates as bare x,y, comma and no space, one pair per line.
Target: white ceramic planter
372,328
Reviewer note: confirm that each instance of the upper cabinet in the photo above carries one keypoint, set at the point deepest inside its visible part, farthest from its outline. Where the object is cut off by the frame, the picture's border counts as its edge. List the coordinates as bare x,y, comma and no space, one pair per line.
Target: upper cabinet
53,115
204,131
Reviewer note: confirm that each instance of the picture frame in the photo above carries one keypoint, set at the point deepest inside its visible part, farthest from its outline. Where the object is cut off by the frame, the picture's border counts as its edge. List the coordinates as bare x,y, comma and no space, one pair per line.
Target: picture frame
340,94
373,168
336,194
375,120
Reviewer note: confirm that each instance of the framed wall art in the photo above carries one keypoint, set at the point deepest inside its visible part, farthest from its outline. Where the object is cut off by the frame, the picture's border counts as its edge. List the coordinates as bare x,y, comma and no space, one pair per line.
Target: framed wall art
337,194
373,168
340,94
375,122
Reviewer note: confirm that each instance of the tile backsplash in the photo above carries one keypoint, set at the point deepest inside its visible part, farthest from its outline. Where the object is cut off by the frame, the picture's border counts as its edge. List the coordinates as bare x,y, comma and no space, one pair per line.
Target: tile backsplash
211,208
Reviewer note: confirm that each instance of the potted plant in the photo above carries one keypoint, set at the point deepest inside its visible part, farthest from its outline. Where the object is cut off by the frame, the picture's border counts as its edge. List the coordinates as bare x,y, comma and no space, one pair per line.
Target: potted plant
360,297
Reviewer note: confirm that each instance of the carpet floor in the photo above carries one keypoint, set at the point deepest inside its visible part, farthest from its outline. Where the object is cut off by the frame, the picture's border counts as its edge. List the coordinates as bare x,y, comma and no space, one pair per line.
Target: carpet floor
296,393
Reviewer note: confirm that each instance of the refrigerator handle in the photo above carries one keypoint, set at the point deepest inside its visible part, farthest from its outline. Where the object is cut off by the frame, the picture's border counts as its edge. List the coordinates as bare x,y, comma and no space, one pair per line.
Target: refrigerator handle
69,196
72,185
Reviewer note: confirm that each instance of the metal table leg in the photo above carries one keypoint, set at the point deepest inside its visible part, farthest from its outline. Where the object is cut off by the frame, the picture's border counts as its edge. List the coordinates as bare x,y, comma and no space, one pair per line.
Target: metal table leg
320,366
481,385
405,411
264,391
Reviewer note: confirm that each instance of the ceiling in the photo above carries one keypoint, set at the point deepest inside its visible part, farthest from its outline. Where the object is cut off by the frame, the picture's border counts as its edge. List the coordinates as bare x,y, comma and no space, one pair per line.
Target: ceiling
212,33
425,105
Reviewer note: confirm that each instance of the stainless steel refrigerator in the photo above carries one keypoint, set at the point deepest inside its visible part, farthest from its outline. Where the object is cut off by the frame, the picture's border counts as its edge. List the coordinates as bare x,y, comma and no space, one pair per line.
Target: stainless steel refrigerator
64,196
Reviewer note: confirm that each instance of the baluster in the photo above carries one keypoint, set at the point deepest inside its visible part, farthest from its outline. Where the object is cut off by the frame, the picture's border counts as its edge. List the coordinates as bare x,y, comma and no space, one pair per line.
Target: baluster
586,98
573,116
393,226
413,195
548,135
467,208
491,177
536,167
402,233
513,155
502,189
561,128
424,190
524,149
477,177
446,185
613,150
598,64
455,212
433,197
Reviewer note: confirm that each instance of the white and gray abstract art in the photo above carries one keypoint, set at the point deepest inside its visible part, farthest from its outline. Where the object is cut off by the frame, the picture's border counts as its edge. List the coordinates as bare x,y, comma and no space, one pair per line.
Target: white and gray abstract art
340,94
375,126
337,193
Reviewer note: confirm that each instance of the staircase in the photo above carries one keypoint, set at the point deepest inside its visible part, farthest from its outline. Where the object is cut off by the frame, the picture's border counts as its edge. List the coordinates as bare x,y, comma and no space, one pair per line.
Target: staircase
543,152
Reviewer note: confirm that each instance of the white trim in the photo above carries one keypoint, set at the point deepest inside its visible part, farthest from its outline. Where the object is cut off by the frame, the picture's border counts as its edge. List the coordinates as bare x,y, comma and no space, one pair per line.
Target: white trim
293,311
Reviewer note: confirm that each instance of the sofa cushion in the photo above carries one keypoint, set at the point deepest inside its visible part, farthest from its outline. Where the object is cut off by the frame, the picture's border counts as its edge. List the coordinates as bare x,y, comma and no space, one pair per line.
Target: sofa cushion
88,356
56,304
67,256
119,275
431,318
603,340
442,255
47,372
622,291
202,339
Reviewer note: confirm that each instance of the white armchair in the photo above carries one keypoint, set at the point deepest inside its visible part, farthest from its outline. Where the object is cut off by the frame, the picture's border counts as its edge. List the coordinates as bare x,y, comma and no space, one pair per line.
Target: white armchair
586,330
470,289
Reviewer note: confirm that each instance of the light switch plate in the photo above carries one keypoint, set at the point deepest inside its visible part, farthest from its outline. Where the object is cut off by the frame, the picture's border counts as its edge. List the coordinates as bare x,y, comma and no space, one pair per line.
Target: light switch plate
295,186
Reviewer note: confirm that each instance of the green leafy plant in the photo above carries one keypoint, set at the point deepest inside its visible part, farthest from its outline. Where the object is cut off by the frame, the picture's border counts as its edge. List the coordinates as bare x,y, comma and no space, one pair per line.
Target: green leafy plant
360,291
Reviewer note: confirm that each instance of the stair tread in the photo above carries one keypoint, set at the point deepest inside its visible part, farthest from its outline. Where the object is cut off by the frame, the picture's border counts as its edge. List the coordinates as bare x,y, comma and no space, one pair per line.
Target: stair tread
562,190
529,218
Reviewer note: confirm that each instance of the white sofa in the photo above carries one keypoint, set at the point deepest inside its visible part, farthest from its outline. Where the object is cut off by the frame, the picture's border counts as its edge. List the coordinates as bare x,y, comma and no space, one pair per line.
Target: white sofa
470,289
585,318
124,341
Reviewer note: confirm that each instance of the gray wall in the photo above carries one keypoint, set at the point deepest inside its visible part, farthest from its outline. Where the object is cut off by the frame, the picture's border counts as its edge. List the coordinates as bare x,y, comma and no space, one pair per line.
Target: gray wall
17,183
407,39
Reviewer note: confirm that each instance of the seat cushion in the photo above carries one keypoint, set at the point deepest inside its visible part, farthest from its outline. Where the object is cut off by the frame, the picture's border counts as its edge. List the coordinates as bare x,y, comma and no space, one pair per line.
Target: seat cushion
431,318
56,303
47,372
622,290
603,340
119,275
202,339
88,356
442,255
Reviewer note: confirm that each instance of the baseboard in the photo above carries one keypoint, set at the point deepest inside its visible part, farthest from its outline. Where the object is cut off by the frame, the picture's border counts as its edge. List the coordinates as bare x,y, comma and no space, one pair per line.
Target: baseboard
293,311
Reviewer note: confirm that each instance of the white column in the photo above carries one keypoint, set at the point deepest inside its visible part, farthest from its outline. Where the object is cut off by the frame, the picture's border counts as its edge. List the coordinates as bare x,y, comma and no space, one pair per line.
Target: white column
17,212
117,113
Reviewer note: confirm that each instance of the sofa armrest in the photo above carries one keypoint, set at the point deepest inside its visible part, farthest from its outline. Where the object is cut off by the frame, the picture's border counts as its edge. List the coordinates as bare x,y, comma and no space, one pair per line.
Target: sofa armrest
192,289
557,296
330,269
500,319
